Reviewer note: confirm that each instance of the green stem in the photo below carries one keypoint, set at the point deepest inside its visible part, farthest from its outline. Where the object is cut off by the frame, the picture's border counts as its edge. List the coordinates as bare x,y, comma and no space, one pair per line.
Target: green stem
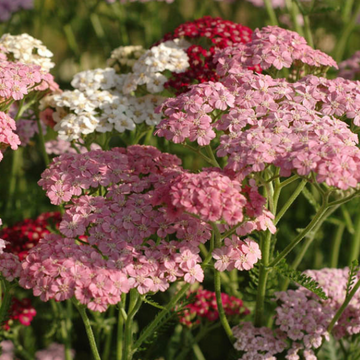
19,349
308,241
201,334
335,248
70,37
355,242
347,8
300,236
271,12
289,181
345,34
264,271
109,332
119,11
212,156
159,317
294,12
42,142
198,152
5,301
134,306
88,329
120,327
343,306
348,221
290,200
308,33
13,181
198,353
217,285
65,331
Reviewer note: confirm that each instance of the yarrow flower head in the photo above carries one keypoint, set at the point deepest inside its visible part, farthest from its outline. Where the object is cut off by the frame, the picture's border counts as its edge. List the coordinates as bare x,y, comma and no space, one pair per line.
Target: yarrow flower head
297,126
27,50
273,48
218,34
148,69
21,311
123,58
302,319
24,235
54,351
7,135
119,252
204,306
98,105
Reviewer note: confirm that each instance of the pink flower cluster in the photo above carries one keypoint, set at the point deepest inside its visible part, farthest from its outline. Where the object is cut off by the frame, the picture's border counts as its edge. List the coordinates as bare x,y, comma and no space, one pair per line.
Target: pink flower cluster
350,68
17,80
188,115
130,243
10,266
26,129
205,306
334,282
54,351
58,147
239,254
132,239
7,134
295,126
257,343
273,48
302,320
213,195
210,195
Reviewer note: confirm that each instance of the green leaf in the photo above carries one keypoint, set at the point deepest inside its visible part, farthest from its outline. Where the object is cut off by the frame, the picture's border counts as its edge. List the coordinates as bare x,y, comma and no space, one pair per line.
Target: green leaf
353,272
298,277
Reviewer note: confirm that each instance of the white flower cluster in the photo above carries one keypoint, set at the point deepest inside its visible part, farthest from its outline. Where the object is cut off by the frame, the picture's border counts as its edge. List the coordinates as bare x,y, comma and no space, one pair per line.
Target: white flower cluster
27,50
125,56
169,55
97,104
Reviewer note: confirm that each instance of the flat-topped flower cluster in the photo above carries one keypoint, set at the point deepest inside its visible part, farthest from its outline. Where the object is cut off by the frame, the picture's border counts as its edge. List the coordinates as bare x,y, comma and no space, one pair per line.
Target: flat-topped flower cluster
139,232
98,105
297,126
204,306
302,320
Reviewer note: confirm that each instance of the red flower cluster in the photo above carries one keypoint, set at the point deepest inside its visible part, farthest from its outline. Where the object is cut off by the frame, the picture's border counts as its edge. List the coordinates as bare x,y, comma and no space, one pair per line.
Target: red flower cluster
24,235
205,306
22,311
212,33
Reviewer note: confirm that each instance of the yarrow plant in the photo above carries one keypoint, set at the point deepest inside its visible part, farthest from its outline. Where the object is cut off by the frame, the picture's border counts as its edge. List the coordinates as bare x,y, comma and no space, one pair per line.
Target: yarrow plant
98,105
303,320
216,33
199,243
204,306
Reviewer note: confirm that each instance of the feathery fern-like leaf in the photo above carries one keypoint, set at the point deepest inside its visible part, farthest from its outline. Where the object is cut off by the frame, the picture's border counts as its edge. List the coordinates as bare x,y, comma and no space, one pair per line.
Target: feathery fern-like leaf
298,277
353,272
